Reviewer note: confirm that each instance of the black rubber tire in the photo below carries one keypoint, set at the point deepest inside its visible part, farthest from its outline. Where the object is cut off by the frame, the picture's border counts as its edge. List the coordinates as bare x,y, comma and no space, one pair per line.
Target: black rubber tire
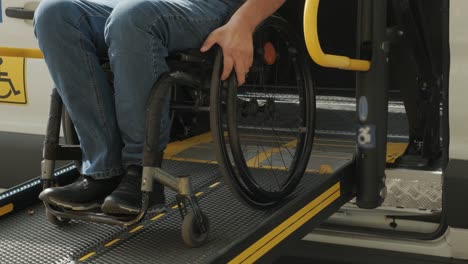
223,114
56,221
190,230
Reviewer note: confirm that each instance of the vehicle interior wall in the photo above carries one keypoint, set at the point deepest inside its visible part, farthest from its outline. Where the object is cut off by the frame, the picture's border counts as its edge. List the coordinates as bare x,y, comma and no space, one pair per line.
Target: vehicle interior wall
337,31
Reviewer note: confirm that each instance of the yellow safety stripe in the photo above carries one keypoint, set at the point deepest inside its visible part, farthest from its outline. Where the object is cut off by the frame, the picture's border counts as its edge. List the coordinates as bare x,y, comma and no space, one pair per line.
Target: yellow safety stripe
87,256
108,244
395,150
6,209
266,155
136,229
177,147
286,228
158,216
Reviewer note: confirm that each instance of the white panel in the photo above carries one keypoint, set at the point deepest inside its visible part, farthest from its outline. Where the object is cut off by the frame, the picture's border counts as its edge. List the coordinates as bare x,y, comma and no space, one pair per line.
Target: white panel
458,239
439,247
458,89
27,118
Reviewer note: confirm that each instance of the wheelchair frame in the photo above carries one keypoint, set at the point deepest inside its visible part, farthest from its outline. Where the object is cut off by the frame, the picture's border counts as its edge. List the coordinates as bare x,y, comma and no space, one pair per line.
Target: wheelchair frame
195,224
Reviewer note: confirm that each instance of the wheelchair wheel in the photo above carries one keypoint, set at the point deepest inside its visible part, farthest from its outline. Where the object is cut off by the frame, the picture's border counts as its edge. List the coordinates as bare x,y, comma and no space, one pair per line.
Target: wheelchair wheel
191,233
264,129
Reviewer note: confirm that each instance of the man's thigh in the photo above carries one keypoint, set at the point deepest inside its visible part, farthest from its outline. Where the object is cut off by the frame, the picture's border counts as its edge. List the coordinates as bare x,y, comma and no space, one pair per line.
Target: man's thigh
178,24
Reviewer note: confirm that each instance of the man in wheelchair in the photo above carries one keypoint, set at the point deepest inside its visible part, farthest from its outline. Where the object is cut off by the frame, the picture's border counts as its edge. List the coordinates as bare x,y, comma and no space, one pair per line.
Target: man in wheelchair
136,36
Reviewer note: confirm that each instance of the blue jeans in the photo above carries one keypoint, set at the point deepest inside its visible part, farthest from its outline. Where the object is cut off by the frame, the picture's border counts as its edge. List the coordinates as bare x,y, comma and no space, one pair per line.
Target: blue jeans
76,36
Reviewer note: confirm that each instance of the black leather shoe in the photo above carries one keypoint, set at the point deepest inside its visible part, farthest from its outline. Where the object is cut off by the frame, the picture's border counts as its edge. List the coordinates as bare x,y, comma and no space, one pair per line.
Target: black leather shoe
126,199
85,193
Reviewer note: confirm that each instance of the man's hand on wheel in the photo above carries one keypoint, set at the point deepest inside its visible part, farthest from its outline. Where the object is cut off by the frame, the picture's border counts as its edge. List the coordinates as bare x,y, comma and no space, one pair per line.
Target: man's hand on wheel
235,39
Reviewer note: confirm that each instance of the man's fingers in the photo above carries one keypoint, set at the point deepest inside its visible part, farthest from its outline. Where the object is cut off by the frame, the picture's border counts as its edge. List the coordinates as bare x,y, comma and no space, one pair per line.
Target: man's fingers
227,68
209,42
240,73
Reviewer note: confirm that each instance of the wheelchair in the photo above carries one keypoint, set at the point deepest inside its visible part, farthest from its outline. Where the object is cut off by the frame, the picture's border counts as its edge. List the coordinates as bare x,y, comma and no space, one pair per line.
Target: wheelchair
263,131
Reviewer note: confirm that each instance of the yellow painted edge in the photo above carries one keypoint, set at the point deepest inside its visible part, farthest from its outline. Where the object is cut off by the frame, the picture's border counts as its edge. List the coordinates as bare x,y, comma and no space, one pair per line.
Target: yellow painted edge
112,242
257,159
269,240
158,216
292,228
395,150
325,169
8,208
175,206
136,229
199,194
177,147
87,256
214,184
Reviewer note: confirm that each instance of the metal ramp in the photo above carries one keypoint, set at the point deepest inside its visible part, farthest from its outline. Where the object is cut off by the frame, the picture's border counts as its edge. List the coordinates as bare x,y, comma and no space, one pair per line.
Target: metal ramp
238,233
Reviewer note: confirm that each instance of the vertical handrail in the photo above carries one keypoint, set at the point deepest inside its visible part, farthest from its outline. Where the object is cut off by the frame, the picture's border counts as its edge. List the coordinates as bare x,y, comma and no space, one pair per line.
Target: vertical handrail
315,50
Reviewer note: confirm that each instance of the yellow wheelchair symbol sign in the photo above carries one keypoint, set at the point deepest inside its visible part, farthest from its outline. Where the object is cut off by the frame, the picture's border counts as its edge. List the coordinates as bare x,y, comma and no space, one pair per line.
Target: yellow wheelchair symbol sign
12,82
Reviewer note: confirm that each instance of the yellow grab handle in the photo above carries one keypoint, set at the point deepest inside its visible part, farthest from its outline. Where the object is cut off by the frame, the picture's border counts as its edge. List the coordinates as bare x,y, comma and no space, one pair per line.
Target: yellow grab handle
25,53
314,48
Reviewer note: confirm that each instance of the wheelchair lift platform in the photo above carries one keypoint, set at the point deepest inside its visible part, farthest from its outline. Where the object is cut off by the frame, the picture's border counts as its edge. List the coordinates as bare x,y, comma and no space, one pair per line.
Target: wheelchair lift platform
238,233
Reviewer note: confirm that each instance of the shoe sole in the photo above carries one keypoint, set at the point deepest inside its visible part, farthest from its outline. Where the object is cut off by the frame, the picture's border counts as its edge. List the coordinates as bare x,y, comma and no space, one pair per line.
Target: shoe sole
75,207
119,209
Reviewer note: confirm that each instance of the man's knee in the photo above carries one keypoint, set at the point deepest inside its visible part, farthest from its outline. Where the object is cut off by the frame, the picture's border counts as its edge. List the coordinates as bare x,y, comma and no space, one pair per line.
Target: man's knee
51,13
133,16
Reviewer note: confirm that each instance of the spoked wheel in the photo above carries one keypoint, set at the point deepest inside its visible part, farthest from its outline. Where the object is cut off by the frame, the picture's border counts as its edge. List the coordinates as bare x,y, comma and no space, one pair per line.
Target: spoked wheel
264,129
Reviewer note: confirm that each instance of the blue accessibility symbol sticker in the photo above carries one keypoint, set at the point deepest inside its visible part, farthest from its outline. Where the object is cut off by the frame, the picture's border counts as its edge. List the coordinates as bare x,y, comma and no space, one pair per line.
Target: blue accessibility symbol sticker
366,136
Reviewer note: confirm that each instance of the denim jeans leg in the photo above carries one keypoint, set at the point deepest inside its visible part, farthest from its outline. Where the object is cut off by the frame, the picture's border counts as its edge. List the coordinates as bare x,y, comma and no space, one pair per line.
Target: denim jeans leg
140,34
71,36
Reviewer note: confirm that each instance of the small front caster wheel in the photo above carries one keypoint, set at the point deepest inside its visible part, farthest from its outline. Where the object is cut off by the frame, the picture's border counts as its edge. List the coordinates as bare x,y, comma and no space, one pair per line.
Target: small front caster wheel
57,220
191,233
